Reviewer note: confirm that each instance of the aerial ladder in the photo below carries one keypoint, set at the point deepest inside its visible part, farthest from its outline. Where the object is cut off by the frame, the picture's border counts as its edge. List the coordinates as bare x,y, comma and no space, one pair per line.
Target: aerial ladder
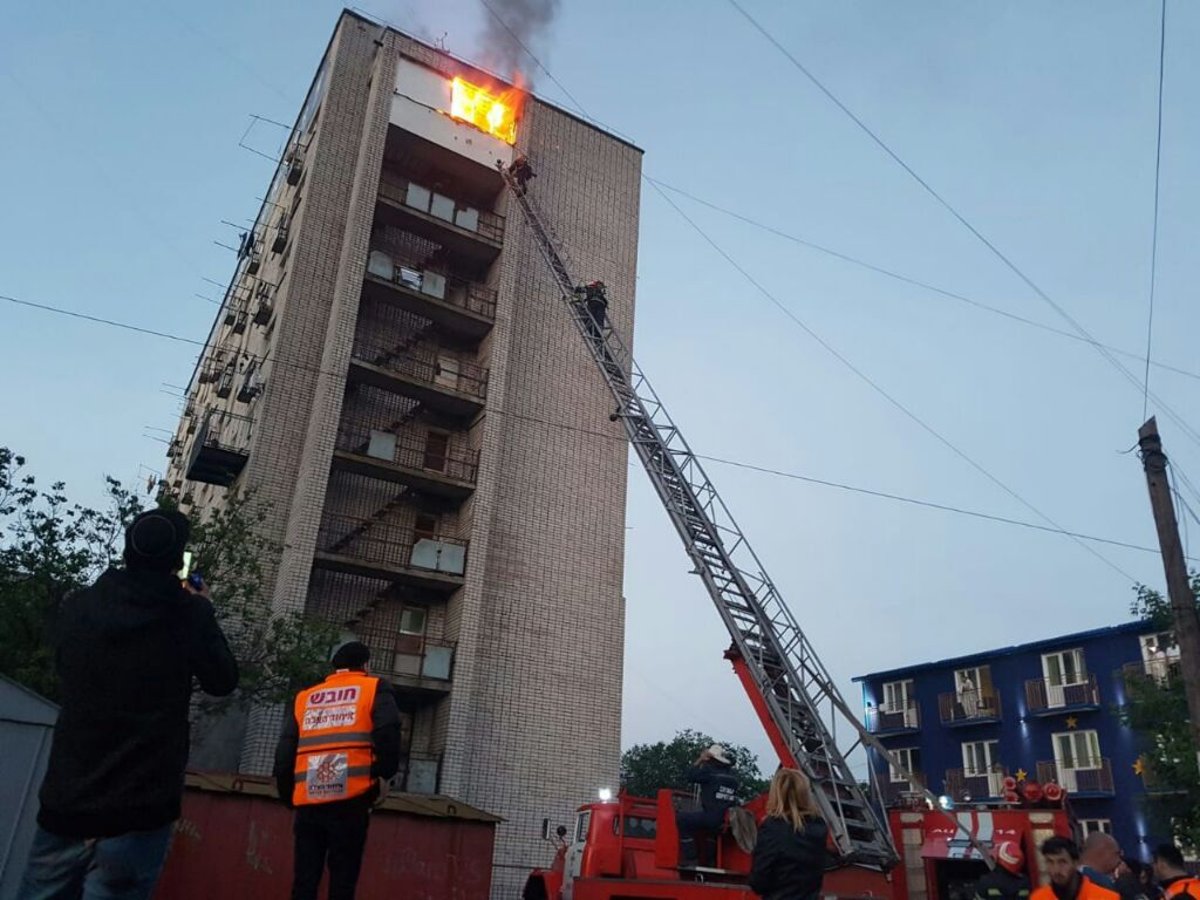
787,683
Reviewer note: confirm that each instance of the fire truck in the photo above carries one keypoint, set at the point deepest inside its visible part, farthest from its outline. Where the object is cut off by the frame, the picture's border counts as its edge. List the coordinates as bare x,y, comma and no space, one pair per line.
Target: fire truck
627,848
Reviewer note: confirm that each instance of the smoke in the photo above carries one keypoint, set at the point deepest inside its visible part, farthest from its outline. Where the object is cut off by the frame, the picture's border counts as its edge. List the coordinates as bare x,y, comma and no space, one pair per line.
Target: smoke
508,25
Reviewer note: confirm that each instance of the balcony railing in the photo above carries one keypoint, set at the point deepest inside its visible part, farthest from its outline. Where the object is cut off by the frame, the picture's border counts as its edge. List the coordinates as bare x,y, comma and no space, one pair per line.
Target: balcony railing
440,373
965,785
883,719
487,225
220,448
1082,776
901,793
411,450
967,707
1162,671
1044,697
375,547
458,292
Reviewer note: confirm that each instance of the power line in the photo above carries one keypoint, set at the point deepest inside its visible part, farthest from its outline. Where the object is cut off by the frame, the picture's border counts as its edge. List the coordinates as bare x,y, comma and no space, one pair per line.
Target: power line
621,439
874,385
1162,53
950,208
898,276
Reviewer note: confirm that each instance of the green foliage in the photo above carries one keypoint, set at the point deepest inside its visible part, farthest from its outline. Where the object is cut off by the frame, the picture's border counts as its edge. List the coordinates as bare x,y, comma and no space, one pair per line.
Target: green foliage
50,547
647,768
1156,709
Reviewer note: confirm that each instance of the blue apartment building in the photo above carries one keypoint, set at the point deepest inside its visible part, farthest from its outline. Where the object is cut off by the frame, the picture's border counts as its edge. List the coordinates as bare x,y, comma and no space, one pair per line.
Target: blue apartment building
1045,711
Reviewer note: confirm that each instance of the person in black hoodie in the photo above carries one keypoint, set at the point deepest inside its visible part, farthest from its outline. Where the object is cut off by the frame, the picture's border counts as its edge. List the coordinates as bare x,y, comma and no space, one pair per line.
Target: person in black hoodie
127,650
790,856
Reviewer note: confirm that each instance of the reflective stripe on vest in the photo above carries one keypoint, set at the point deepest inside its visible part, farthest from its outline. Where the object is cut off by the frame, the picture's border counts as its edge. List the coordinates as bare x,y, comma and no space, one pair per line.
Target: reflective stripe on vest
1182,886
333,754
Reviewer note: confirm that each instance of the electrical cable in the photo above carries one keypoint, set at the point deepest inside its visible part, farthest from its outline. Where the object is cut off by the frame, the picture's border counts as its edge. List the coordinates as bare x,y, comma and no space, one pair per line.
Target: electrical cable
898,276
962,219
621,439
874,385
1162,52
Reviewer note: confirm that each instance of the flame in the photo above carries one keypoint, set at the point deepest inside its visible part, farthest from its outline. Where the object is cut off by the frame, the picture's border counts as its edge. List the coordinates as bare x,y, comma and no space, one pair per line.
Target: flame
496,115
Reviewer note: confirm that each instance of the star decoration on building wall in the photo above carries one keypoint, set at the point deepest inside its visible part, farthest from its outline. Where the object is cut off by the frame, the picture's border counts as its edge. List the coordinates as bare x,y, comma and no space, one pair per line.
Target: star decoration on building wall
1072,722
1139,766
1021,775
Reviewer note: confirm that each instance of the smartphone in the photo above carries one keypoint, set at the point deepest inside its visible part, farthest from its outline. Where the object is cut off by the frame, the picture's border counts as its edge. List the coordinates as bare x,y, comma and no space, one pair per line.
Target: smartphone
187,566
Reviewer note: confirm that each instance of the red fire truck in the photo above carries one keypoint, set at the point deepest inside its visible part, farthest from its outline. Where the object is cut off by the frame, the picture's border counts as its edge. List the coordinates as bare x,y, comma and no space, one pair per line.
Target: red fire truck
628,849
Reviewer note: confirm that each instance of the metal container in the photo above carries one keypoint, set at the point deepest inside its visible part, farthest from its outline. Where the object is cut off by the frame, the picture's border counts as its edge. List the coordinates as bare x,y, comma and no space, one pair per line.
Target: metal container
234,840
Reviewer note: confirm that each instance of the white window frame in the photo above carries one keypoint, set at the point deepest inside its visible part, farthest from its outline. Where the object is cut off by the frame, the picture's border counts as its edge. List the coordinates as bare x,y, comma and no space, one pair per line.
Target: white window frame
1056,694
1092,826
971,749
906,757
901,691
1066,774
971,699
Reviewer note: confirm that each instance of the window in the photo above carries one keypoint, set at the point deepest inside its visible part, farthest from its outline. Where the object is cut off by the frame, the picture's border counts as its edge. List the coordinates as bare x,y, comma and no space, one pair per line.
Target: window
436,445
637,827
1077,750
910,759
974,692
1064,668
899,708
1095,826
979,757
425,526
410,641
581,826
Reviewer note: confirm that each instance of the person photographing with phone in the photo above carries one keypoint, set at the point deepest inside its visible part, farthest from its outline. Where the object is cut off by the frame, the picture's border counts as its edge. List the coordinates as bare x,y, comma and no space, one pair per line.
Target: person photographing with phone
128,650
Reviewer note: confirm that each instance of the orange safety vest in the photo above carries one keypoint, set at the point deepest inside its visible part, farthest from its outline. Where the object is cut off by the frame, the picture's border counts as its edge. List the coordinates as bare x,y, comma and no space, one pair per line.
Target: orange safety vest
1189,886
334,754
1088,890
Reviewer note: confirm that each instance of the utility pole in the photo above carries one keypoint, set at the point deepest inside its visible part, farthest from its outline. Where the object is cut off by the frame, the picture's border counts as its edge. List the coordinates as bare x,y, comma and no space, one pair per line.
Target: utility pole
1179,588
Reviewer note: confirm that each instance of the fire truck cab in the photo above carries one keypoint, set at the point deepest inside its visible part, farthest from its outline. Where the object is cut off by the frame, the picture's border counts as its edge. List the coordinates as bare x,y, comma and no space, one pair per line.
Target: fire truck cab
628,848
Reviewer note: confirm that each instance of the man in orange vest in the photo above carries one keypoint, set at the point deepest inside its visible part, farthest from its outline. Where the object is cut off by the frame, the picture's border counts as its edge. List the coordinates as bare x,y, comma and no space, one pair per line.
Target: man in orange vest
338,748
1172,877
1066,881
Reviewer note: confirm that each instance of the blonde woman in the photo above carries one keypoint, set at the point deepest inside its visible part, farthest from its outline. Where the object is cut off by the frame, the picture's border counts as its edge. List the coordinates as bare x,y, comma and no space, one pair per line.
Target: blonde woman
790,856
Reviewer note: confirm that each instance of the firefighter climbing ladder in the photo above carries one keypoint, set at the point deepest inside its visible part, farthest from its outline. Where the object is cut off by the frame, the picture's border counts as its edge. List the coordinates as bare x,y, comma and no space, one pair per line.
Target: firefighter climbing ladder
791,680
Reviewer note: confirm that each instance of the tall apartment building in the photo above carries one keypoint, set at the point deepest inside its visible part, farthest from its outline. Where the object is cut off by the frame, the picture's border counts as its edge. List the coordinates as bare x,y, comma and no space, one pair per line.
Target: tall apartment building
393,371
1046,712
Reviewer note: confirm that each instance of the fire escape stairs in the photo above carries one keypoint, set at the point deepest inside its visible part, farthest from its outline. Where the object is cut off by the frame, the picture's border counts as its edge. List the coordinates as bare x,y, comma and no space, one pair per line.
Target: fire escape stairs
367,524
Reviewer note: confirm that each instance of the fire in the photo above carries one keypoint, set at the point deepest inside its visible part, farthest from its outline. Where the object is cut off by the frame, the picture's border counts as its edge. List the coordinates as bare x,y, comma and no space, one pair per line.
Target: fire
497,115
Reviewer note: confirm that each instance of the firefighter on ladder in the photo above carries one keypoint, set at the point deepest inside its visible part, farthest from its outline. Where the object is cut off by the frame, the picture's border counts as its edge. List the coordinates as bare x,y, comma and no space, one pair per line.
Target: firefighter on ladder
338,749
595,299
521,171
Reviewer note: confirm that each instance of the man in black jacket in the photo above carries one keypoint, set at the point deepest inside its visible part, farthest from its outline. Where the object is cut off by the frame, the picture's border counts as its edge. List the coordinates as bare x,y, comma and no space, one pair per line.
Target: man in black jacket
718,793
336,831
127,650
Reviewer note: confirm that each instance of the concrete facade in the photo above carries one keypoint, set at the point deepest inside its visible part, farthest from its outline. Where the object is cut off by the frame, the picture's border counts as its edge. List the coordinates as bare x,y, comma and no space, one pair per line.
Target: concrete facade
429,431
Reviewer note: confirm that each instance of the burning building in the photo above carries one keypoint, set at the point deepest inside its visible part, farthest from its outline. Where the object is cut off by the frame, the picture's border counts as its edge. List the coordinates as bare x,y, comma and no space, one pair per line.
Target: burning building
392,372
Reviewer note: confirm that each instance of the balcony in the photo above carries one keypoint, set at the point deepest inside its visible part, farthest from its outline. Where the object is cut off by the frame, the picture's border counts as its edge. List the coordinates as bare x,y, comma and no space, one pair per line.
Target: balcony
460,307
474,234
960,708
967,785
885,720
432,467
220,449
1162,671
1083,778
902,793
377,548
444,383
421,675
1046,699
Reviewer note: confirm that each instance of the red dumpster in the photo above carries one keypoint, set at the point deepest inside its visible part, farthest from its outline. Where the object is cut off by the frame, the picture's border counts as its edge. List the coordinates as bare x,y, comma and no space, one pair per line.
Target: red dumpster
234,840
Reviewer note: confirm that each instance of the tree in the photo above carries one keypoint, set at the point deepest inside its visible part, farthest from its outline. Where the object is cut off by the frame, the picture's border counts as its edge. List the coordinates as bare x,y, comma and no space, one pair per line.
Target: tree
647,768
1156,710
50,547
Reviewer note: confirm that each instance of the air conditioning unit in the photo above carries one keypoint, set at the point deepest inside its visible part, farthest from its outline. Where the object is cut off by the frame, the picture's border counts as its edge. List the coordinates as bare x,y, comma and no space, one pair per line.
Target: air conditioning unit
264,309
255,261
239,325
225,384
281,236
251,387
295,165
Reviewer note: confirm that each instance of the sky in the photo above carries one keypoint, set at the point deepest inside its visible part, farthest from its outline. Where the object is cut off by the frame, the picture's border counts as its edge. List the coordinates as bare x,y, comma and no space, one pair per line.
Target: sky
120,158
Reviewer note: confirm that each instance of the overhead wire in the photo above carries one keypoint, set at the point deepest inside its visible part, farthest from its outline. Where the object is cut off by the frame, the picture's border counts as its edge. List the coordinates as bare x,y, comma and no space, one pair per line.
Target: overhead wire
899,276
808,330
1162,53
565,426
963,220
